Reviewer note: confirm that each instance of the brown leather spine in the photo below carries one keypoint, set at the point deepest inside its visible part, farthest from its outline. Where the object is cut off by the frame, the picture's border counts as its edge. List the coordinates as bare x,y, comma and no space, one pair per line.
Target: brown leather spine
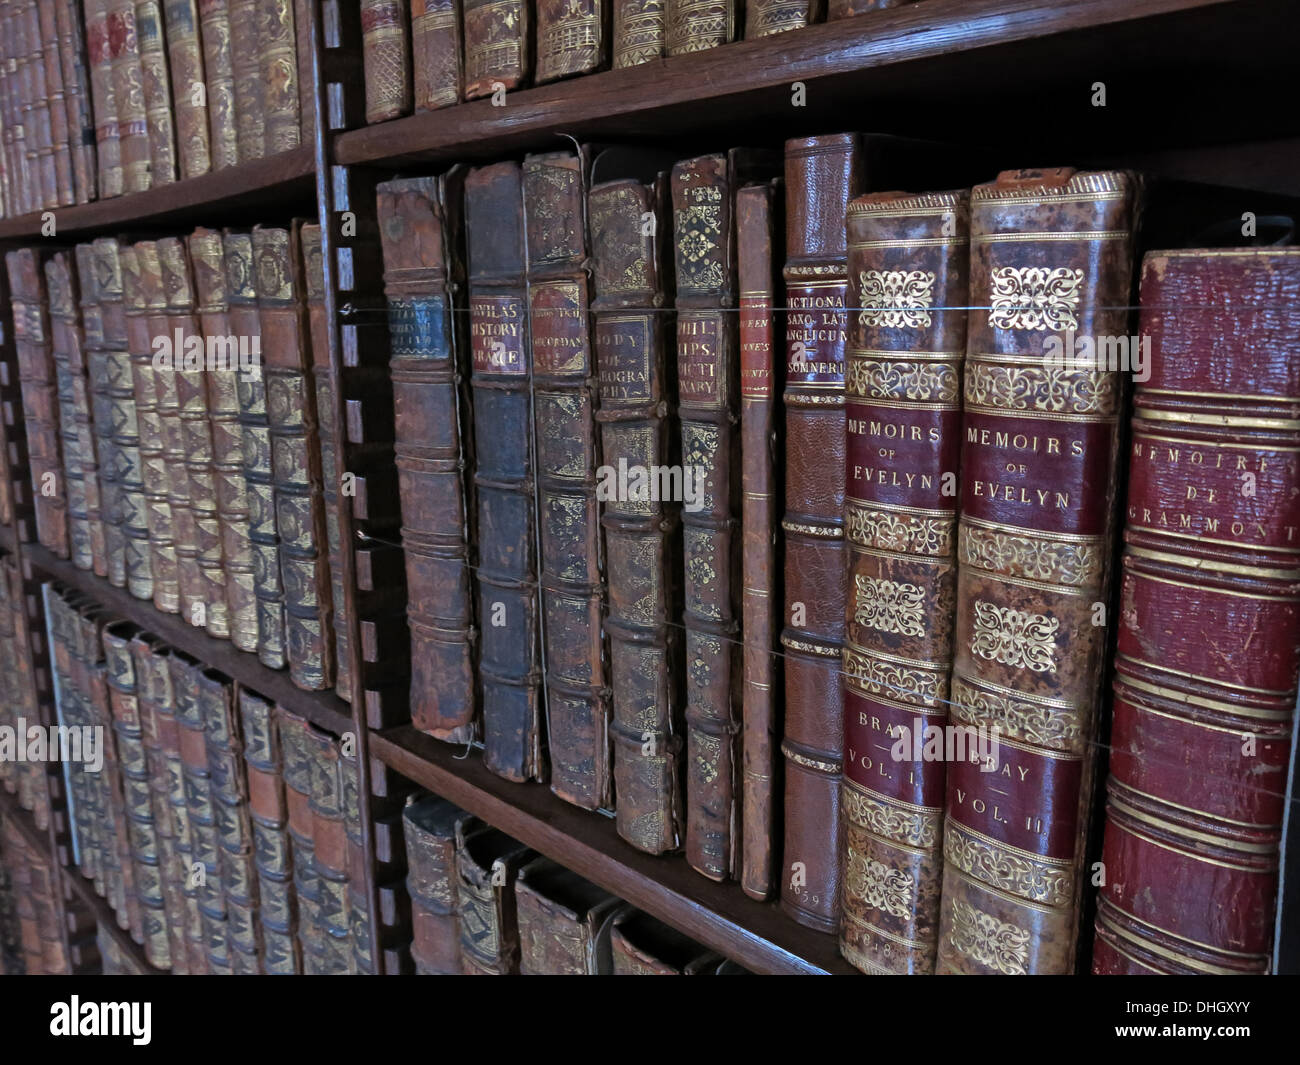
249,83
505,473
219,70
386,50
565,400
281,100
76,90
329,852
438,72
821,175
487,862
36,120
498,46
907,271
1051,254
572,38
128,96
295,740
302,33
698,25
564,922
419,223
157,92
639,31
758,228
185,53
429,829
56,100
763,18
632,278
837,9
107,140
643,946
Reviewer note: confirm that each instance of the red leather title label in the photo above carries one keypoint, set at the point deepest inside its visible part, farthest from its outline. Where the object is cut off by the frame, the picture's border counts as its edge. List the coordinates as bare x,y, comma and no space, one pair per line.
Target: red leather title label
1029,800
756,347
496,331
559,323
874,733
900,456
701,358
815,327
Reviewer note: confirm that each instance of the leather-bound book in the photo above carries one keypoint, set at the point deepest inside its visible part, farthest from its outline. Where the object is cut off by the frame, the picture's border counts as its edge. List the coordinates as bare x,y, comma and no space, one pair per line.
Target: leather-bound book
639,32
698,25
907,270
822,174
242,310
38,381
329,853
389,863
185,52
386,51
128,96
303,49
437,68
36,117
219,71
487,862
758,229
632,277
76,95
157,92
837,9
763,18
231,355
510,661
419,225
564,922
249,86
429,829
1209,594
1051,259
568,452
43,20
295,457
498,46
282,101
108,148
295,748
572,38
643,946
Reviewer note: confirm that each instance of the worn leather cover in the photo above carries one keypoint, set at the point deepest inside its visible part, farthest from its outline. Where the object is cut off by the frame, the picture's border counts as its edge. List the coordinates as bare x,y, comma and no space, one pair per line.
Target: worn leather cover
1208,600
436,53
487,862
572,37
498,46
632,279
505,473
1051,252
282,101
643,946
565,400
639,32
249,84
295,457
76,96
128,96
185,53
564,922
698,25
429,829
156,86
393,912
758,228
419,226
822,174
37,116
908,285
766,17
222,378
329,852
386,51
100,59
837,9
219,70
43,23
295,749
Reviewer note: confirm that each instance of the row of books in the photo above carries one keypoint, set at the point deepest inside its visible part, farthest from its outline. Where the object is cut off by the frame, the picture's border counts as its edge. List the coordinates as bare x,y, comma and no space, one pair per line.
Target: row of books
31,939
19,701
954,379
422,55
224,832
171,427
104,97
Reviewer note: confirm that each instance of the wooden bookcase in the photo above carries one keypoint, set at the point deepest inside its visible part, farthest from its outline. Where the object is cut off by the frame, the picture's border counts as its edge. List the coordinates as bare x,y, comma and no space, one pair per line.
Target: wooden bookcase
1014,80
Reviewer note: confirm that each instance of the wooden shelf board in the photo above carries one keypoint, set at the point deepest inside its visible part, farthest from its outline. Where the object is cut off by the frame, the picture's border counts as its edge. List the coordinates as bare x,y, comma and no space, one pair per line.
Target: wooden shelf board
755,934
260,183
324,709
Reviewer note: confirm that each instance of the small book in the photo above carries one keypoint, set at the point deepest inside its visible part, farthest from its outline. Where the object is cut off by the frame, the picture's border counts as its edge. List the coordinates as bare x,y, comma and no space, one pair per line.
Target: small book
386,53
564,922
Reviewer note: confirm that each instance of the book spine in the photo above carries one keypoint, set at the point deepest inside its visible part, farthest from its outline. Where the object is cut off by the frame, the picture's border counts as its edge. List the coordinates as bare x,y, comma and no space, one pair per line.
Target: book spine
302,33
37,119
189,90
21,112
487,862
907,271
242,309
107,137
505,473
1051,253
157,92
1192,851
639,32
386,51
128,96
279,65
295,458
429,831
838,9
329,853
637,416
563,922
572,38
8,175
219,70
707,376
498,38
295,750
76,88
698,25
568,452
388,862
250,92
758,221
763,18
437,69
432,414
821,175
56,101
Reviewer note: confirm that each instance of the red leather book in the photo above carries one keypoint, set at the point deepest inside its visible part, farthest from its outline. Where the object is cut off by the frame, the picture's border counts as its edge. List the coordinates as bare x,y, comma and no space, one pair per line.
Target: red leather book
437,66
572,37
386,50
822,174
498,46
1209,625
100,59
1051,257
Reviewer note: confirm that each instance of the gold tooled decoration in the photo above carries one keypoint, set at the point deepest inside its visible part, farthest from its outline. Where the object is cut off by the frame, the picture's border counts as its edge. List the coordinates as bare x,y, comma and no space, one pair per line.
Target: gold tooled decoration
1020,639
874,884
989,941
1008,868
1042,724
1035,298
913,534
1031,556
889,606
913,683
1056,389
893,299
912,827
928,382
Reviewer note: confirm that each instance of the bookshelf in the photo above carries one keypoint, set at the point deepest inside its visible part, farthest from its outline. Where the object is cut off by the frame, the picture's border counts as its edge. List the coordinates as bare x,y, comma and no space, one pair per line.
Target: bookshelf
895,71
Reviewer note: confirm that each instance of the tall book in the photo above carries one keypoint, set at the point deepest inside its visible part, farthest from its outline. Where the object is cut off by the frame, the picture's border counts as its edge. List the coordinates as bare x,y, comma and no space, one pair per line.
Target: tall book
108,146
639,32
572,38
565,400
219,72
36,117
1051,259
758,229
128,96
282,97
498,46
698,25
76,90
505,473
429,829
189,89
1208,599
907,269
436,56
386,52
156,86
295,746
329,854
419,226
43,22
249,83
632,280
